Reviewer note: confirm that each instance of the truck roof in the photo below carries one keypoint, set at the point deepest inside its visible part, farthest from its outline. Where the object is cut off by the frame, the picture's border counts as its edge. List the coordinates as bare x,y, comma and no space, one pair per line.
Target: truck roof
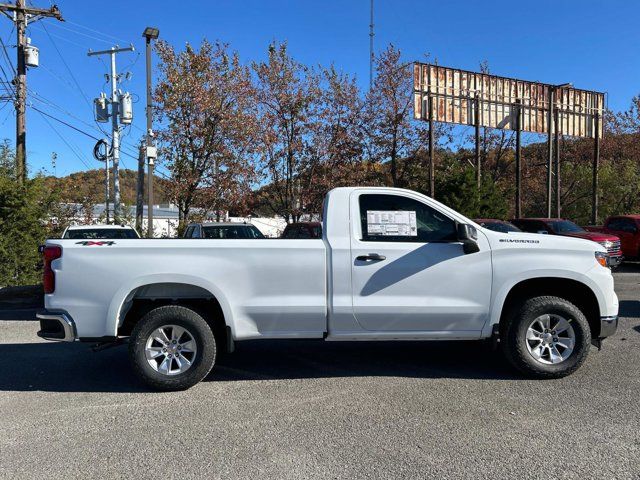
104,227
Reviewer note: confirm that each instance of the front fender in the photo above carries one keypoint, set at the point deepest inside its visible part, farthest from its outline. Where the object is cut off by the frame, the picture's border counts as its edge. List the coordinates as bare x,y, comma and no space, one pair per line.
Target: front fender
605,303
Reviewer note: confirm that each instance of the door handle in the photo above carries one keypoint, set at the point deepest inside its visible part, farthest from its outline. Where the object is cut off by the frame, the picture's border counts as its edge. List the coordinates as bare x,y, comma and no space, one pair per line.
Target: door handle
374,257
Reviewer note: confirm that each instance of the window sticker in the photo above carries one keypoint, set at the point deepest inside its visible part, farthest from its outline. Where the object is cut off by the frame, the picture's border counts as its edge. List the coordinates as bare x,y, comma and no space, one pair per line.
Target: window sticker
392,223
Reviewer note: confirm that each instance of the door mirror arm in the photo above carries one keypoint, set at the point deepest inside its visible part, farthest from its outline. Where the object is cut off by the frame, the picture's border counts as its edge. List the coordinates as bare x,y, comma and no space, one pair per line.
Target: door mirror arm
468,235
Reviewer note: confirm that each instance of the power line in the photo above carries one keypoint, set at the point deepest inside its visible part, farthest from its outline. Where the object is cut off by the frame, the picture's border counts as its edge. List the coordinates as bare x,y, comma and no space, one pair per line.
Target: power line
67,67
98,32
65,123
44,116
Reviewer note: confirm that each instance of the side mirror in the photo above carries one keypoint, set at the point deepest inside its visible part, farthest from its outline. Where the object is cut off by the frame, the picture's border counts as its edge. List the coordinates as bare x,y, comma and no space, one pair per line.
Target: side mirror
468,235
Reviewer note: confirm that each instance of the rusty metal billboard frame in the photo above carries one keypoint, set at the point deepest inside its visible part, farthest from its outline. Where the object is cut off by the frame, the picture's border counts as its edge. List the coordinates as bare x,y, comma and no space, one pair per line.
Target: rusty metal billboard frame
456,94
453,95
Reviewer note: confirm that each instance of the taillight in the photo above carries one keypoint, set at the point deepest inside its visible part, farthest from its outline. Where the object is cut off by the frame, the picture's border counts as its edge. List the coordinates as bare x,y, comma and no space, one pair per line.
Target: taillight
49,254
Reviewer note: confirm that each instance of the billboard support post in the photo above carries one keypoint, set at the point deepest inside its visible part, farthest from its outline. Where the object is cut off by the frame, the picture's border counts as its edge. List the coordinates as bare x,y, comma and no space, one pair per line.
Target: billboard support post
477,137
550,95
518,160
596,162
556,148
431,135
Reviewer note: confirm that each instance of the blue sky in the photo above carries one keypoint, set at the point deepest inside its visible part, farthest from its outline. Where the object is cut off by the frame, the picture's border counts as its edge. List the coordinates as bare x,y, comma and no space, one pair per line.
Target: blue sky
593,44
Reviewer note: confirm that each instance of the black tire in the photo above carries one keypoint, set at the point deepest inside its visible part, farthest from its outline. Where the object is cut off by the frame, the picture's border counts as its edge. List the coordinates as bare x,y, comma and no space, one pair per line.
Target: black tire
514,342
202,335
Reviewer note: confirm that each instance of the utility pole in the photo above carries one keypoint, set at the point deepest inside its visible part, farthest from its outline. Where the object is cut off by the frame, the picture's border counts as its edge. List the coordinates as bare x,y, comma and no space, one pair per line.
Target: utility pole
23,15
140,189
371,56
116,111
150,33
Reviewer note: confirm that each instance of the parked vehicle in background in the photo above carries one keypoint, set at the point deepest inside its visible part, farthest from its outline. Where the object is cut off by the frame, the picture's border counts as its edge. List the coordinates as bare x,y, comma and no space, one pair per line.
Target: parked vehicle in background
303,230
497,225
566,228
103,232
627,228
392,265
222,231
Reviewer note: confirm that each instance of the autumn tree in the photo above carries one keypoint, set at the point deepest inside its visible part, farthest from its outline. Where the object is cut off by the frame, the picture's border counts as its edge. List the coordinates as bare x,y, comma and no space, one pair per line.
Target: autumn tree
204,101
287,94
337,149
394,137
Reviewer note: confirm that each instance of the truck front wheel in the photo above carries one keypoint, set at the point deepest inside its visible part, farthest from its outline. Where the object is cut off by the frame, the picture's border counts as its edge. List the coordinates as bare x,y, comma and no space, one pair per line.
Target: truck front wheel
548,337
172,348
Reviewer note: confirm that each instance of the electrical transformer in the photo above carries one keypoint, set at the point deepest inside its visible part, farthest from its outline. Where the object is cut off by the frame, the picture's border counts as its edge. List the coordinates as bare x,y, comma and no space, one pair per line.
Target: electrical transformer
101,108
126,108
31,56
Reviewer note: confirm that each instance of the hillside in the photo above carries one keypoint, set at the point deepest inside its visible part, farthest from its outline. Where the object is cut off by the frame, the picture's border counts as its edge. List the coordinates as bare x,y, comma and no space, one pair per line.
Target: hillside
89,185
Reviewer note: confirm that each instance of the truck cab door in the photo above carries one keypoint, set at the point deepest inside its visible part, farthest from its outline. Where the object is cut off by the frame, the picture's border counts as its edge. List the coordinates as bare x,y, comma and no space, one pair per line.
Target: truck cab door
409,271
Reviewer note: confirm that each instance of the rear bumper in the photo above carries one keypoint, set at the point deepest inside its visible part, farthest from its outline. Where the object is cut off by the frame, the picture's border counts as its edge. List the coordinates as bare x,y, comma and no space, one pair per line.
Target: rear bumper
608,326
57,326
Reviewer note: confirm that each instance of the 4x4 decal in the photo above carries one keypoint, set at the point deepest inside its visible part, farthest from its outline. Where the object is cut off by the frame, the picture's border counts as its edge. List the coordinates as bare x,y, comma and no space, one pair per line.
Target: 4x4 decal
89,243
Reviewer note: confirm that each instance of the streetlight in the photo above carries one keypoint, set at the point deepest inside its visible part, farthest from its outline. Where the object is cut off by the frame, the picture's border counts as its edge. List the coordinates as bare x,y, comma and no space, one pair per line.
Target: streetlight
150,33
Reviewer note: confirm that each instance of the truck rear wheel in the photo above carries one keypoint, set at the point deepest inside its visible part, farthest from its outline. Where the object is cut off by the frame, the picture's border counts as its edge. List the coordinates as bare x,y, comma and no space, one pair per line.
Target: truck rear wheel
172,348
548,337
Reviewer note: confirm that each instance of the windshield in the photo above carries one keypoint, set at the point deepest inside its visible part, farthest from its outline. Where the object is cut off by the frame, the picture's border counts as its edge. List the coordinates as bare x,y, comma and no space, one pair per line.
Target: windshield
502,227
564,226
101,233
231,231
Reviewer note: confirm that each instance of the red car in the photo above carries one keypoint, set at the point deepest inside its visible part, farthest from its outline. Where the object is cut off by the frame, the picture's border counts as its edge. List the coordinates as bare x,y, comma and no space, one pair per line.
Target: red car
496,225
303,230
566,228
627,228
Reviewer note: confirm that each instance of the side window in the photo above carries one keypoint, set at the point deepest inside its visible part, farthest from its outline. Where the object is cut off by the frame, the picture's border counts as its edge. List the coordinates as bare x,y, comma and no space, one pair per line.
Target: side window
393,218
304,232
614,224
628,225
189,231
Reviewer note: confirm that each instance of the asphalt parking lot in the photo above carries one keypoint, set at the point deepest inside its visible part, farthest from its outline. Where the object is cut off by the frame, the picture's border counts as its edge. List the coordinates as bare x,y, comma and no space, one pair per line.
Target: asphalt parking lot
311,410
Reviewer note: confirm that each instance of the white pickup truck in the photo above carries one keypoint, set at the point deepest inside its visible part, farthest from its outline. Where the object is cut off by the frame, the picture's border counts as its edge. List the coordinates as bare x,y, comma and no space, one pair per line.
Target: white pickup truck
391,265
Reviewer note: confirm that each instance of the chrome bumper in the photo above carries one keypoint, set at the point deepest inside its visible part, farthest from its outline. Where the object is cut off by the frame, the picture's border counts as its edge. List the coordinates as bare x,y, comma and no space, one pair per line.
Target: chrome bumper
608,326
56,326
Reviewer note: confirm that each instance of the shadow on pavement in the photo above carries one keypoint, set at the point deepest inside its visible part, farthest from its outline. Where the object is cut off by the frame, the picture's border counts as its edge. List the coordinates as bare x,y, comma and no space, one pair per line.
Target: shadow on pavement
60,367
629,267
629,308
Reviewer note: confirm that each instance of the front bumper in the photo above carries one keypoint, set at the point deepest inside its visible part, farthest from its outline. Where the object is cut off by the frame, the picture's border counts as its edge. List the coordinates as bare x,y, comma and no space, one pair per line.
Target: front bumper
615,261
57,326
608,326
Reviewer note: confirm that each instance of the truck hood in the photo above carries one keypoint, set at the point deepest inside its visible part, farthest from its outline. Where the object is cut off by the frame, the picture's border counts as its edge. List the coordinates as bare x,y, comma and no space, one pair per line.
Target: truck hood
538,241
593,236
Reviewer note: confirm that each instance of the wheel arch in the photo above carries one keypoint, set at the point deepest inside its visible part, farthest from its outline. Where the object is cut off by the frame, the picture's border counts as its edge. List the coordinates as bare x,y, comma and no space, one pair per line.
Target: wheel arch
573,290
158,290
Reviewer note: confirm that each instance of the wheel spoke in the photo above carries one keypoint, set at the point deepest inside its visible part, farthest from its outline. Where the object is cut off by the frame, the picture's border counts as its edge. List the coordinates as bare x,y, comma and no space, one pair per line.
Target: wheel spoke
554,355
183,360
188,347
566,342
537,351
153,352
165,366
562,326
533,334
545,321
177,332
160,336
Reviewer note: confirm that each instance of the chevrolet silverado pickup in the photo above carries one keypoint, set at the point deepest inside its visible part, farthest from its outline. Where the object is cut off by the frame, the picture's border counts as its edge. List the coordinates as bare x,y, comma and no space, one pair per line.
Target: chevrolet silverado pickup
392,264
566,228
625,227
